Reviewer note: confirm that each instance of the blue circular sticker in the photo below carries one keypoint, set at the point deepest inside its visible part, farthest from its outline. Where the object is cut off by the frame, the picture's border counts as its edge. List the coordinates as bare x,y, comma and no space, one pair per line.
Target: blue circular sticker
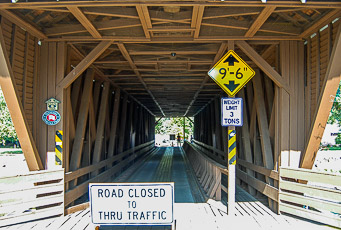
51,117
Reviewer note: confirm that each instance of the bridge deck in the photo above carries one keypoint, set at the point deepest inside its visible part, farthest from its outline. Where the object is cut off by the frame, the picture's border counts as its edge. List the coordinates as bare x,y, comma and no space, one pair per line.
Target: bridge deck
192,210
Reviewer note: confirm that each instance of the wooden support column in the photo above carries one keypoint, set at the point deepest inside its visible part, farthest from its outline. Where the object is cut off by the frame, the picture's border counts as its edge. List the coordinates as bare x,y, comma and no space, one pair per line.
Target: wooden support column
81,122
123,123
263,65
284,108
96,157
51,92
114,120
62,97
218,130
263,127
16,110
129,132
246,141
83,65
325,102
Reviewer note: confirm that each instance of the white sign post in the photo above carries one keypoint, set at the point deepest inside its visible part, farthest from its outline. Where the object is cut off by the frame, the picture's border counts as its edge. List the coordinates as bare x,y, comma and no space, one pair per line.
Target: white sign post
232,111
132,203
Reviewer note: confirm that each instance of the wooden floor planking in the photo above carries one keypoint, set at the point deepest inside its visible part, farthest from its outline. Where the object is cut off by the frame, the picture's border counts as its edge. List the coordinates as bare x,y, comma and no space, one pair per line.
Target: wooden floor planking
250,213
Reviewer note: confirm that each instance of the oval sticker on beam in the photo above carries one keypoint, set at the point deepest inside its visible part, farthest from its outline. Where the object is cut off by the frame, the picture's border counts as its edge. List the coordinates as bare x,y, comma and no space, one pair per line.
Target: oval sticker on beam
231,73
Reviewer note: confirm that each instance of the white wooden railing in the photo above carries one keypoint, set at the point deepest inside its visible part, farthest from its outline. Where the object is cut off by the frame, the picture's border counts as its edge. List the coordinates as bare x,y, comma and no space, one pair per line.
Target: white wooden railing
32,196
311,195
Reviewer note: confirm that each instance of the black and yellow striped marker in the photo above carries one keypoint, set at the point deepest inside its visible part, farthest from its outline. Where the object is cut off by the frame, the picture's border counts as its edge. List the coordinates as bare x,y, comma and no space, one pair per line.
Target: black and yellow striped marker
232,147
59,147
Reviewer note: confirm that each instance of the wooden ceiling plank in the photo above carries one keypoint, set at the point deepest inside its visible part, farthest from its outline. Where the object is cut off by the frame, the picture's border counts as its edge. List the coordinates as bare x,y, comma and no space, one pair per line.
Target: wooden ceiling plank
218,55
79,15
112,12
22,23
260,20
83,65
194,16
146,16
143,20
320,23
126,55
198,21
103,25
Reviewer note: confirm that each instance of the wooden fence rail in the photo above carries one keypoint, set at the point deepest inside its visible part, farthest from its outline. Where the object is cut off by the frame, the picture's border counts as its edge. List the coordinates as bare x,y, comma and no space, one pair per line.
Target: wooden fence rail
207,170
311,195
125,158
35,195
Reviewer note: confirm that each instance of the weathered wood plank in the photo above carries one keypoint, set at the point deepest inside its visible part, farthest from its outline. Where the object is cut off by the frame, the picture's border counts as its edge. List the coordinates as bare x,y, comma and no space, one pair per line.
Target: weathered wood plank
83,65
16,110
81,122
262,64
100,124
330,85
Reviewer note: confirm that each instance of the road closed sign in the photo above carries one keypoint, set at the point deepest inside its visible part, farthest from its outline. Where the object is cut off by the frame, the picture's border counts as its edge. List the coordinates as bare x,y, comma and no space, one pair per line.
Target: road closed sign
231,111
132,203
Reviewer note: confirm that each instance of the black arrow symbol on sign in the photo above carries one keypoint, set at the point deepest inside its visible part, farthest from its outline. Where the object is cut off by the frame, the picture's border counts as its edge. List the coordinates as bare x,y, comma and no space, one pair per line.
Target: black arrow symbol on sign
231,60
231,86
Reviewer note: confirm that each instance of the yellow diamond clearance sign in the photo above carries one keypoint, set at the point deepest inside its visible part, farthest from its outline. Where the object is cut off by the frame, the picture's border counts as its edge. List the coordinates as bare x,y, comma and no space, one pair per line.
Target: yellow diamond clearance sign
231,73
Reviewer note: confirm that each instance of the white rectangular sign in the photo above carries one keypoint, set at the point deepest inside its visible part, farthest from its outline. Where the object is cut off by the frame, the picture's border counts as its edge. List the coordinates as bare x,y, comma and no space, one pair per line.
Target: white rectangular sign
231,111
131,203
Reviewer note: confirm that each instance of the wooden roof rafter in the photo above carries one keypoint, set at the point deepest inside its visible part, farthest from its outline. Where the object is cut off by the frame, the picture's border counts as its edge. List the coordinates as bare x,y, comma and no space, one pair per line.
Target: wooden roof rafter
260,20
23,23
106,78
79,15
126,55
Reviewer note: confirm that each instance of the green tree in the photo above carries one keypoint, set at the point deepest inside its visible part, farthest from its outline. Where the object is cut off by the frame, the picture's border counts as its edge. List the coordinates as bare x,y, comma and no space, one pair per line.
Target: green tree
174,125
335,113
7,131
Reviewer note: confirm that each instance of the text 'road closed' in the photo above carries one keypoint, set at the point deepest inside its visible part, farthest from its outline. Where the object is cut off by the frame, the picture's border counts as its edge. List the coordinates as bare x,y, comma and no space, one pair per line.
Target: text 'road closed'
136,203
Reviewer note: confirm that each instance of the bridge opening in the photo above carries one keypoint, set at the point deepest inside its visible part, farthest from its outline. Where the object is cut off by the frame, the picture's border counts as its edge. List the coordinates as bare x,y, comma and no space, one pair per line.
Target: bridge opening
173,131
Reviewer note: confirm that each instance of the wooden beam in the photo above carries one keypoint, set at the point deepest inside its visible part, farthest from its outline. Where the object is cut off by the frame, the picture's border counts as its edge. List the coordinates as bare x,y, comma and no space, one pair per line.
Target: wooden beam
198,21
262,64
246,142
22,23
262,121
114,121
260,20
81,122
8,86
83,65
126,55
123,123
79,15
325,103
218,55
100,125
320,23
145,19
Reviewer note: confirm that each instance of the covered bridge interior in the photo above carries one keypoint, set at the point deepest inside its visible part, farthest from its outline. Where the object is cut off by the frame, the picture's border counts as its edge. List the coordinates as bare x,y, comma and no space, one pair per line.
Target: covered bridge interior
115,66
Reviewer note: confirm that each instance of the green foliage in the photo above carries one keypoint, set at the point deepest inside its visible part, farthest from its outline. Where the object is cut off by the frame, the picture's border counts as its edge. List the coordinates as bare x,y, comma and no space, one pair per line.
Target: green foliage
174,125
7,131
335,113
